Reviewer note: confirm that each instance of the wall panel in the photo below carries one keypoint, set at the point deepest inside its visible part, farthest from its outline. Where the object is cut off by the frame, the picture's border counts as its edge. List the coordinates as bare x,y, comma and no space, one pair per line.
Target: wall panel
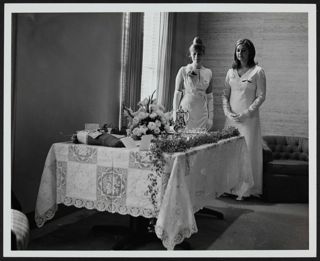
67,74
281,41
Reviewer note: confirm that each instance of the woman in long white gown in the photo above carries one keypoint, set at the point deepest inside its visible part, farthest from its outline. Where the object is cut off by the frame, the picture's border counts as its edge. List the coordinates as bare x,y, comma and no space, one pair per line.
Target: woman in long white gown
244,92
193,90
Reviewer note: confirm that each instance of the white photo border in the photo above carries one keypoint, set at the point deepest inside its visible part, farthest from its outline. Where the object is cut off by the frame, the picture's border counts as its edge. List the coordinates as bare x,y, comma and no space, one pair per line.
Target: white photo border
10,9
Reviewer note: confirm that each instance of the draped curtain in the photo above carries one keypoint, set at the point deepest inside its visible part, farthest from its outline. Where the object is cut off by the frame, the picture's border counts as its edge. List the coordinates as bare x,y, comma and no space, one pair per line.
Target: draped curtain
164,59
131,63
13,88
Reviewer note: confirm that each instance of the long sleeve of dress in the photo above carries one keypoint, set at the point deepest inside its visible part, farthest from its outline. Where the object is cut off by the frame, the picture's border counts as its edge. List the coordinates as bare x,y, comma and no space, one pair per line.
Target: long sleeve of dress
226,96
178,90
209,97
260,92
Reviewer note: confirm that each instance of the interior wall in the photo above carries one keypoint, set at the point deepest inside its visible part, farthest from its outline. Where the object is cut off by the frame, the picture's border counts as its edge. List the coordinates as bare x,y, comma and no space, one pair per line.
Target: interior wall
281,41
67,74
185,29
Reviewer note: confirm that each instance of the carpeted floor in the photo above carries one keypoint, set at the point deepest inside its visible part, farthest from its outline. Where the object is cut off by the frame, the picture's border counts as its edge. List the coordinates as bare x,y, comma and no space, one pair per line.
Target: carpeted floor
247,225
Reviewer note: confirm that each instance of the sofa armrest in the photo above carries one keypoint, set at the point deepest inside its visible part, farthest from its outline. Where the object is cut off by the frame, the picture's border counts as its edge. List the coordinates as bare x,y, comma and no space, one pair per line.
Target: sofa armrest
266,153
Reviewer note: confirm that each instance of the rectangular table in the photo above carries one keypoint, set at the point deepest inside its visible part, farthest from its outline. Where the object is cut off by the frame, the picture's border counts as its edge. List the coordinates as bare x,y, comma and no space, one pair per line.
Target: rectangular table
124,181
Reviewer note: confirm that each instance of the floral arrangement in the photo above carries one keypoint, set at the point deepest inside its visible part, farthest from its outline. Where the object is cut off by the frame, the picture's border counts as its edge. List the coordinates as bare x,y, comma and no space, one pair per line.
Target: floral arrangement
150,118
180,143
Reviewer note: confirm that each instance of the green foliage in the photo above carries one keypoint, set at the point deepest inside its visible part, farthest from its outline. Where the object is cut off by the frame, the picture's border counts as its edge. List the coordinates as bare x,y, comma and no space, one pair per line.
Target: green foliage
181,142
178,143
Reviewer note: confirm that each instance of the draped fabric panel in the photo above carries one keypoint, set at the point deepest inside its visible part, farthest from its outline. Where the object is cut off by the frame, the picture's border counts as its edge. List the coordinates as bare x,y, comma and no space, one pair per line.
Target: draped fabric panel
13,88
131,62
164,60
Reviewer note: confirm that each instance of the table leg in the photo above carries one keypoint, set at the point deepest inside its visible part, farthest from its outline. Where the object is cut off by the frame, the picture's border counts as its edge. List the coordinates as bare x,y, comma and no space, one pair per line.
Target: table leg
141,233
109,229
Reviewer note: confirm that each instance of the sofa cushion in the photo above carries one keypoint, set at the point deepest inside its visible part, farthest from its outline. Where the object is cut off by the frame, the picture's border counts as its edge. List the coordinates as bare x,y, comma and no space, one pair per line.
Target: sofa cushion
288,167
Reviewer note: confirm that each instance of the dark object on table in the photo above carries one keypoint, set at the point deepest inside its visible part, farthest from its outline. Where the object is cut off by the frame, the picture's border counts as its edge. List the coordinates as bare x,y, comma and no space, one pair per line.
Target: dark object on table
122,131
74,138
106,140
116,130
285,169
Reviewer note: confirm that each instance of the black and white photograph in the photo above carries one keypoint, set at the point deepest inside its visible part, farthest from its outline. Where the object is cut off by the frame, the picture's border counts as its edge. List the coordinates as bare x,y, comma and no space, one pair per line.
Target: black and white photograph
159,130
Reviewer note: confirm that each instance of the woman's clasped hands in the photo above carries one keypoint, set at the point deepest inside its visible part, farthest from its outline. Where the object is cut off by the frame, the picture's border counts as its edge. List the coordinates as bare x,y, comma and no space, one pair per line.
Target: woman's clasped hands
238,117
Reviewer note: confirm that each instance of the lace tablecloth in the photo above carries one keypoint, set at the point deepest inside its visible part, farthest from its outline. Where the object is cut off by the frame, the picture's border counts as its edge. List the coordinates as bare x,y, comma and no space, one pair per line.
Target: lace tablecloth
120,180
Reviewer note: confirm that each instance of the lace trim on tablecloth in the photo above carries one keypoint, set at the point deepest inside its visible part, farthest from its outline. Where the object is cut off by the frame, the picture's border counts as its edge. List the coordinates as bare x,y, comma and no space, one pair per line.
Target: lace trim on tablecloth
49,214
98,205
112,208
178,238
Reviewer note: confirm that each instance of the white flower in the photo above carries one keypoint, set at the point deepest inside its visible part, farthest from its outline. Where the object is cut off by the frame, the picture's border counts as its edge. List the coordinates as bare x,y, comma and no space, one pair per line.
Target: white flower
151,125
160,113
143,129
144,102
141,109
168,115
136,132
156,130
167,128
142,115
153,107
135,120
158,123
153,115
156,107
163,120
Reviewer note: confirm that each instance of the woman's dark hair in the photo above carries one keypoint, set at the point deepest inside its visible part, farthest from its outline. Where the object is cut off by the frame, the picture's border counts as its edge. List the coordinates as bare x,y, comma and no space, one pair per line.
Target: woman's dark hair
252,53
197,45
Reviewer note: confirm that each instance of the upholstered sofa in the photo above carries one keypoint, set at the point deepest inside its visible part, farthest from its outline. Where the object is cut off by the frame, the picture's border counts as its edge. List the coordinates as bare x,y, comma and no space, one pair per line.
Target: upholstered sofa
285,169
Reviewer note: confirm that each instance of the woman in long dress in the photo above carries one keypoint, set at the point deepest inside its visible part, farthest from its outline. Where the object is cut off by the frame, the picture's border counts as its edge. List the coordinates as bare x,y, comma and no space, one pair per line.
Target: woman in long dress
193,90
244,92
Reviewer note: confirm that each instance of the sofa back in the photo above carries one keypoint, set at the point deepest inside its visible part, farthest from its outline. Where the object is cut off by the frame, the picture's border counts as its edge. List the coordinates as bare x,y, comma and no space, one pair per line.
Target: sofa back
288,147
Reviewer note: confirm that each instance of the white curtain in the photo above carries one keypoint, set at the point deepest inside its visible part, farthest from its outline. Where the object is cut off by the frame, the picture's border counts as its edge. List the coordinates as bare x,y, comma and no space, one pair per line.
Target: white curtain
164,59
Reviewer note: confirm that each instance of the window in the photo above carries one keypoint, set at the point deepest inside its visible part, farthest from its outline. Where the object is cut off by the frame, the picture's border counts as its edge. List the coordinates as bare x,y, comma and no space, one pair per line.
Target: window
151,41
143,70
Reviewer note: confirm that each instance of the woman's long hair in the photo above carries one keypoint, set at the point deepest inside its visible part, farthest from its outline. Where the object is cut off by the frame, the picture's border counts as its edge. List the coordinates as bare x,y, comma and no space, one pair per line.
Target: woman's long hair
252,53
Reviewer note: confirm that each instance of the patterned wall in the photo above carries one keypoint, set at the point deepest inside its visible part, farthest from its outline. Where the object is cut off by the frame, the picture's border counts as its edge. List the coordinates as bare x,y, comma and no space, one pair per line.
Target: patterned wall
281,41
